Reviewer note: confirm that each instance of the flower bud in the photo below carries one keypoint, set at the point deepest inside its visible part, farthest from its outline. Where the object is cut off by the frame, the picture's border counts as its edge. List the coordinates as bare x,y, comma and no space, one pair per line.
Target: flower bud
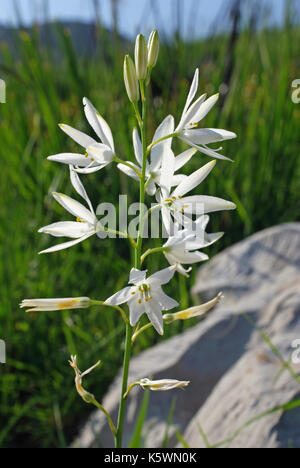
131,81
141,57
153,49
197,311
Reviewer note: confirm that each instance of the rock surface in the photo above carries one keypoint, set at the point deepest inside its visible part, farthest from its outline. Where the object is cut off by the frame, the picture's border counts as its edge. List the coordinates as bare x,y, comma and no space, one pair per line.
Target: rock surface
234,374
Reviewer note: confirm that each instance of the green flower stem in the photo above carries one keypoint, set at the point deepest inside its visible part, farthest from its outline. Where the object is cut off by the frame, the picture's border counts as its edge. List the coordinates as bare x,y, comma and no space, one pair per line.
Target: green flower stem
172,135
103,304
109,420
152,251
138,331
137,264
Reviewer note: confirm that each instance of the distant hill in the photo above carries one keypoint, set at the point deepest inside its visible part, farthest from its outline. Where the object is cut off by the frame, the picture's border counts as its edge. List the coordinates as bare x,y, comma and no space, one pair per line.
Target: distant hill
83,36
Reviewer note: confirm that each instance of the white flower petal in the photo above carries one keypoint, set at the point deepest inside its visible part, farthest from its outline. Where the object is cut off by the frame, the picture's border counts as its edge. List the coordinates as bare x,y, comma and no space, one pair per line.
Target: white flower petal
136,310
154,313
208,151
177,179
81,138
99,125
120,297
66,245
194,180
205,107
75,208
70,159
184,158
151,188
128,171
67,229
157,153
192,94
187,258
101,153
78,186
166,302
162,276
90,170
136,276
167,172
191,115
137,145
209,204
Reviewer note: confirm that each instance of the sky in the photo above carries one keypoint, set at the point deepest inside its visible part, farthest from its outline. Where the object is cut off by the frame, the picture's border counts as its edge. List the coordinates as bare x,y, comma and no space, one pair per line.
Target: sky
197,16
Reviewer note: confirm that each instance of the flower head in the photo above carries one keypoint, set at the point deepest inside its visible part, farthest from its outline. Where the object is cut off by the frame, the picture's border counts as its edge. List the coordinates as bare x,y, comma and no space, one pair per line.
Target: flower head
192,114
97,154
37,305
86,224
197,311
175,205
162,385
146,296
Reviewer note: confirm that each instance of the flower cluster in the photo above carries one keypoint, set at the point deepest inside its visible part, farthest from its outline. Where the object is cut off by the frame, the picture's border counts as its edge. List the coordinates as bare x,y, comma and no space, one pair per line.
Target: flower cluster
157,170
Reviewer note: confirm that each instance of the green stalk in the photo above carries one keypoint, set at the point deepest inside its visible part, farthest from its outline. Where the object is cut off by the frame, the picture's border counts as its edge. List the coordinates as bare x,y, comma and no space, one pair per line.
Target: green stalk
137,264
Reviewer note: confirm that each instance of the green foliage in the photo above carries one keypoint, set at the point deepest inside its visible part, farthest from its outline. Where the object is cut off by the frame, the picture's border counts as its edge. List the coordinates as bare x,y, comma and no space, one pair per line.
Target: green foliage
38,402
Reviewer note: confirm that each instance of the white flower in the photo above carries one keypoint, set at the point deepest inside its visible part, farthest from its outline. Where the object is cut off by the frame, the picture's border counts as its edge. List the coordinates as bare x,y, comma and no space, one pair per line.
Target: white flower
153,167
197,311
192,114
183,248
97,155
42,305
146,296
86,224
175,205
162,385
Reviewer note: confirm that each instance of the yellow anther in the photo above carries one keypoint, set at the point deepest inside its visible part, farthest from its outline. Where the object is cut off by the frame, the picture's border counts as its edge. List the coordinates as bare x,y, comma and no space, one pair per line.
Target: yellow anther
180,197
140,301
79,220
150,298
133,293
174,198
195,125
86,155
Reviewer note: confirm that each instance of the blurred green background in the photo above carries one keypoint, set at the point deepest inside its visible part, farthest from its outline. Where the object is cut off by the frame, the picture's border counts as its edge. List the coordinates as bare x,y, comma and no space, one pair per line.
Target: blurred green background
252,67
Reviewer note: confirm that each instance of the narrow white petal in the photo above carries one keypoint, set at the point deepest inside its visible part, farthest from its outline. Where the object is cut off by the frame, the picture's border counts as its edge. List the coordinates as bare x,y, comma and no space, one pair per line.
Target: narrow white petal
99,125
191,95
81,138
137,145
167,172
78,186
162,276
177,179
194,180
67,229
128,171
204,109
184,158
191,257
136,276
157,153
154,313
75,208
166,302
136,310
206,204
70,159
89,170
191,115
120,297
225,134
151,188
208,151
66,245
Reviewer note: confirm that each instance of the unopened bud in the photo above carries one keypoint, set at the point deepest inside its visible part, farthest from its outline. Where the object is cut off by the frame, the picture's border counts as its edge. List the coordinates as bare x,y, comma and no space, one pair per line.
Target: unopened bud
141,57
153,49
131,81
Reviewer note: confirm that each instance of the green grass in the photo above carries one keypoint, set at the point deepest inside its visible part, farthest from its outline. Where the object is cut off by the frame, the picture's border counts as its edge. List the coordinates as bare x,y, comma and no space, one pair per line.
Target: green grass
38,403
